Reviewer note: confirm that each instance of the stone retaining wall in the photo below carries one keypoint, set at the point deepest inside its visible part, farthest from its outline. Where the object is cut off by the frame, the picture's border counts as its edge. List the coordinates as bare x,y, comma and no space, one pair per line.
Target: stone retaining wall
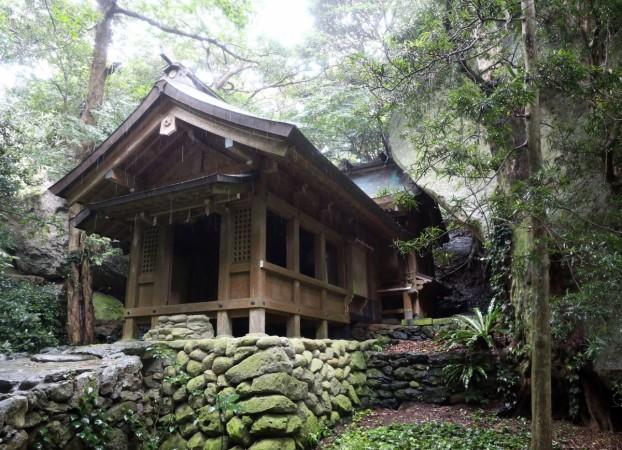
40,397
287,389
420,330
394,378
281,391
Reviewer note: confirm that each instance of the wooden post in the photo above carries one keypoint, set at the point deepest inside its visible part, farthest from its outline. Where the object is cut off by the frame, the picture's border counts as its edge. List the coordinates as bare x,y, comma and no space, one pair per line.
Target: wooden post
293,257
408,308
258,242
164,266
418,310
322,330
130,330
293,325
223,324
257,320
224,256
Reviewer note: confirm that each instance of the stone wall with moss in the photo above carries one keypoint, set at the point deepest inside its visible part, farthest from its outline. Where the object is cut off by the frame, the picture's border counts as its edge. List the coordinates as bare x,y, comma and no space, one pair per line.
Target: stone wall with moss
87,397
260,392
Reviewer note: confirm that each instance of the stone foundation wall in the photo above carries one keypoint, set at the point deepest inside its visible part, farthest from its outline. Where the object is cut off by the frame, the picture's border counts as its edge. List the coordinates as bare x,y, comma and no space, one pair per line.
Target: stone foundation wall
420,330
395,378
279,391
286,389
41,398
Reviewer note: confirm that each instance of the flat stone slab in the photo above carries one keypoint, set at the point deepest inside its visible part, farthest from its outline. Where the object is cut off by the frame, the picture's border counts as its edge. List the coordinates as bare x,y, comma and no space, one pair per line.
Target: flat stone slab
61,358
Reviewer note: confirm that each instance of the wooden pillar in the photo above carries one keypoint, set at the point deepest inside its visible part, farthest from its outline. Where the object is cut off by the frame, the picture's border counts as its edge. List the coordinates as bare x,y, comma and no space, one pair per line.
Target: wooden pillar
224,256
418,310
257,320
258,242
130,330
164,266
408,307
322,330
293,258
223,324
293,325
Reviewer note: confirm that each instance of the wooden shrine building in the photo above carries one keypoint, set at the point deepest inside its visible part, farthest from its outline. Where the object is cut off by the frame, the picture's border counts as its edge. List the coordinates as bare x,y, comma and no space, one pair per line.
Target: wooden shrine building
240,218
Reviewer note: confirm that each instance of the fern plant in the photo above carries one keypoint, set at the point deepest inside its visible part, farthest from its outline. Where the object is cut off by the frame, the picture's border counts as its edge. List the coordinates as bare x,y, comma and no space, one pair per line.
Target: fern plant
473,332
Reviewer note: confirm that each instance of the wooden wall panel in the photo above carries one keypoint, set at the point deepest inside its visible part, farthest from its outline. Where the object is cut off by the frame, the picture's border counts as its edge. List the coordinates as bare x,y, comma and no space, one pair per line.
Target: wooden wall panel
279,289
310,296
334,303
145,294
240,285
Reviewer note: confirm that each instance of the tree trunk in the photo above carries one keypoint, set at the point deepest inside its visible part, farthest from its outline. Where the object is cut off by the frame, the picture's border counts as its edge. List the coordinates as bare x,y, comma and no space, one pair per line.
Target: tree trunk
80,312
537,264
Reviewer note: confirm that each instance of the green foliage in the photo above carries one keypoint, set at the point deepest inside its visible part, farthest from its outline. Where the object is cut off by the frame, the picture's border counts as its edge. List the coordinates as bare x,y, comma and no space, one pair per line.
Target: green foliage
422,243
472,332
431,436
90,421
31,316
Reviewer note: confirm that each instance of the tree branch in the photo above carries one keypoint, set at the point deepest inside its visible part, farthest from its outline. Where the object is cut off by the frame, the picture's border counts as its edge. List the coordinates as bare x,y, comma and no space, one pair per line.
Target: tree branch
172,30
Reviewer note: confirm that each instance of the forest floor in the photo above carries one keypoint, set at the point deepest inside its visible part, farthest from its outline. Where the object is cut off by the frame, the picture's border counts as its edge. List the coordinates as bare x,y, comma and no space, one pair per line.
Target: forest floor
566,435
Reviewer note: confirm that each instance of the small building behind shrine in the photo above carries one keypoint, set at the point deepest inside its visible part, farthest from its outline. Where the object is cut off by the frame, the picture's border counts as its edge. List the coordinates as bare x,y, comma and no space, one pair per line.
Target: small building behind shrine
242,219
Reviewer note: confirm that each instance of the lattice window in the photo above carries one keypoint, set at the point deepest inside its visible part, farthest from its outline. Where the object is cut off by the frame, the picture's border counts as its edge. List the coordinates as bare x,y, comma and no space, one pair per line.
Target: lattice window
150,250
242,236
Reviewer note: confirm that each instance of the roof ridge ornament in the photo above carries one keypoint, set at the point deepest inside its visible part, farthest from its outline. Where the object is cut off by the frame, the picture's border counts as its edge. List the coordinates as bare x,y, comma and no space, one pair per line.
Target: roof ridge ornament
176,71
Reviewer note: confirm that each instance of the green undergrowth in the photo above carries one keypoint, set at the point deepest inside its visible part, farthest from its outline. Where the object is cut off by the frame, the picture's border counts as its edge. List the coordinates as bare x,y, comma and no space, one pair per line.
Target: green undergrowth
431,436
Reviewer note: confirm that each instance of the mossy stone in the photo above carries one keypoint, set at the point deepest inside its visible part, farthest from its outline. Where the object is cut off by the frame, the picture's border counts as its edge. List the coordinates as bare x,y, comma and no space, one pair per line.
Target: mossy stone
107,307
269,403
196,383
180,394
267,361
194,368
216,443
308,421
175,442
182,359
279,383
271,425
221,364
197,441
315,365
183,413
342,404
238,431
358,361
209,421
357,378
274,444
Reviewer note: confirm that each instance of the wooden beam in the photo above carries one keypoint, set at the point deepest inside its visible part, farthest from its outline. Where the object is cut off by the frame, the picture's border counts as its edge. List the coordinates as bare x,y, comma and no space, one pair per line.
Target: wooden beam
277,147
289,211
114,160
124,179
282,271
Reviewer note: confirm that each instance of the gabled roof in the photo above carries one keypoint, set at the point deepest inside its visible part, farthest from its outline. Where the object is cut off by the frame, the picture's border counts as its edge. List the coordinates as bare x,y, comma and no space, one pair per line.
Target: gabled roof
182,89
